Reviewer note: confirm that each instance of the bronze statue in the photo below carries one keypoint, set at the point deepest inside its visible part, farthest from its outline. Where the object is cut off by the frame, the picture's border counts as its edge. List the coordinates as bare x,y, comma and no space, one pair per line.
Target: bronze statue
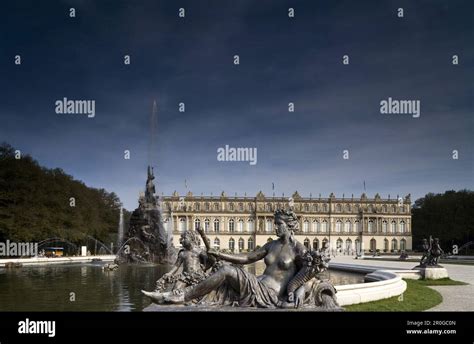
288,280
432,251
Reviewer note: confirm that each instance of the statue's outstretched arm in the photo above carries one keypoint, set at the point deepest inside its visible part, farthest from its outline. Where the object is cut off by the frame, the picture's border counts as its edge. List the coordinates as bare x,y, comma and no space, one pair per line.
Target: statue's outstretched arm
247,258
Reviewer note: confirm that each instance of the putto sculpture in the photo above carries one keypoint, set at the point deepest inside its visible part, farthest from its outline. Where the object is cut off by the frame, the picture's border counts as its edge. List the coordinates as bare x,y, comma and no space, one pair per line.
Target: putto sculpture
290,279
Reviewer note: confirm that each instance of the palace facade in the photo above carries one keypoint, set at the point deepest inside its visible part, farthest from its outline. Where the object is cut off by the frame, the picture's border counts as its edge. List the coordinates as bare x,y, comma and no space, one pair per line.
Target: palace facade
241,224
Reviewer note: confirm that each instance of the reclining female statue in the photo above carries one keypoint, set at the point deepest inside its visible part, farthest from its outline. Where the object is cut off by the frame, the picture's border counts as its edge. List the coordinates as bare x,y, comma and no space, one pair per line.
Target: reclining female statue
286,263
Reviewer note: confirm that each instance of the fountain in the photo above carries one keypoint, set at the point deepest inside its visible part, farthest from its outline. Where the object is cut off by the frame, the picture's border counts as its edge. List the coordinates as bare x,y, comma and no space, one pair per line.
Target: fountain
151,241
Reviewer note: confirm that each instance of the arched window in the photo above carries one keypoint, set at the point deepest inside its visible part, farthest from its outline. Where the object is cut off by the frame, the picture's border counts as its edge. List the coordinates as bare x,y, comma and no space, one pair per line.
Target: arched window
339,245
384,227
373,245
324,226
231,225
385,245
197,223
241,207
338,226
250,225
324,243
217,243
338,208
197,207
316,226
393,227
371,226
232,244
402,228
347,226
315,207
182,224
240,226
306,226
394,244
207,225
241,245
268,225
348,208
231,206
307,243
306,207
394,209
216,225
357,226
208,207
325,207
250,244
358,246
403,245
315,244
348,245
216,206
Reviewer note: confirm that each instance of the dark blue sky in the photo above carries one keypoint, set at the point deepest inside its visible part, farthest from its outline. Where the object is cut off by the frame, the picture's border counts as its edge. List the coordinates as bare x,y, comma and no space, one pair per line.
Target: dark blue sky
283,60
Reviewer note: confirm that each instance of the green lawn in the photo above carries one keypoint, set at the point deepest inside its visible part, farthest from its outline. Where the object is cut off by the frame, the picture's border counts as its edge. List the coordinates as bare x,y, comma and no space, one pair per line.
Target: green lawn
417,297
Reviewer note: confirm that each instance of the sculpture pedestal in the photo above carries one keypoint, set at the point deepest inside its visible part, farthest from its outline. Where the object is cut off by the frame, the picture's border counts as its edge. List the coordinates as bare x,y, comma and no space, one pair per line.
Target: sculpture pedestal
432,272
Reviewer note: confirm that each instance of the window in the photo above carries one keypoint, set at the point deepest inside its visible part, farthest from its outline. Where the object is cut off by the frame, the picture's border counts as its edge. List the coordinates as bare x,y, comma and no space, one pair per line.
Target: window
384,208
231,244
306,207
250,244
339,245
394,227
373,245
357,226
403,245
268,225
217,243
338,208
268,207
384,227
197,224
347,226
306,243
216,225
370,208
338,226
385,245
348,207
250,207
305,226
324,226
402,228
216,206
240,226
250,225
394,244
206,225
241,207
182,224
231,225
394,209
197,207
208,207
371,226
348,245
315,244
315,207
325,207
315,226
241,245
231,206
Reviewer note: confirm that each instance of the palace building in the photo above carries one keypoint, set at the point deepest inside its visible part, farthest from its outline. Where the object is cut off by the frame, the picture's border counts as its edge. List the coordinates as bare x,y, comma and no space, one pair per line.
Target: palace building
348,225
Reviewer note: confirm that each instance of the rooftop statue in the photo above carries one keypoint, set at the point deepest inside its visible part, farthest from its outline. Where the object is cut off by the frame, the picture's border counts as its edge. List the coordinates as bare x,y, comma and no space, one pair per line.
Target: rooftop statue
290,279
